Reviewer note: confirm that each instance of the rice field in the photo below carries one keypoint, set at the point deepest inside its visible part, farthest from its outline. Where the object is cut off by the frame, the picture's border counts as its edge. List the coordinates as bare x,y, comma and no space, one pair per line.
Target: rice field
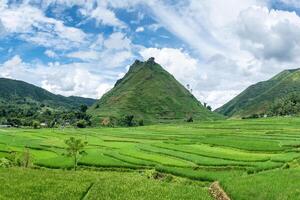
237,153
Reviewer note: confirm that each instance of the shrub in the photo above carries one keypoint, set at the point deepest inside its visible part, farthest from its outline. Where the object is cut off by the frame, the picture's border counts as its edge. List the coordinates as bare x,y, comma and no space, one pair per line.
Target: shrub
81,124
128,120
21,159
153,174
5,163
105,121
36,124
141,122
189,119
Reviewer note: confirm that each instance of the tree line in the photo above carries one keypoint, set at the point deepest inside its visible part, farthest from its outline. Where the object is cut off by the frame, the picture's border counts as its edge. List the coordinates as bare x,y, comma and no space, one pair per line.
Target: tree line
285,106
37,116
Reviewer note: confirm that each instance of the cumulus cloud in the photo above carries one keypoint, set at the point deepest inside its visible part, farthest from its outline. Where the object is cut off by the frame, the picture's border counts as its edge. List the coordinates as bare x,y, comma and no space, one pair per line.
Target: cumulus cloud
2,29
68,79
84,55
117,41
35,27
50,54
270,34
140,29
109,52
177,62
103,16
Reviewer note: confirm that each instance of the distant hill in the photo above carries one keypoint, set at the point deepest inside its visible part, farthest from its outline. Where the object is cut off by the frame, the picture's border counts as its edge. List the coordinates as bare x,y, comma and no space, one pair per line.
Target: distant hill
258,98
14,91
149,93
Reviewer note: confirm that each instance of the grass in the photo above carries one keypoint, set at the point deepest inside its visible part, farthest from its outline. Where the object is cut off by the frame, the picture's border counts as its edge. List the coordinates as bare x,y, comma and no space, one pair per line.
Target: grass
89,185
239,151
275,185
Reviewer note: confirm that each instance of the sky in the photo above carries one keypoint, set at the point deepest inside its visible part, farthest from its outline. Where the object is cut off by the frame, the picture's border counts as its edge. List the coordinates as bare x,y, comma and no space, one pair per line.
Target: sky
82,47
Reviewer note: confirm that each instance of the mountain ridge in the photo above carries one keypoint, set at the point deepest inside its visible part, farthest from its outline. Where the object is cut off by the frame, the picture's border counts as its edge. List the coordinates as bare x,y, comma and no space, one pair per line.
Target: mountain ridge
257,98
16,89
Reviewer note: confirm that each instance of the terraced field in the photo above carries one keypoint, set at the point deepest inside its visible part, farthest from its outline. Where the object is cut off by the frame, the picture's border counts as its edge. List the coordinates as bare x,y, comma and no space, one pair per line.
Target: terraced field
236,153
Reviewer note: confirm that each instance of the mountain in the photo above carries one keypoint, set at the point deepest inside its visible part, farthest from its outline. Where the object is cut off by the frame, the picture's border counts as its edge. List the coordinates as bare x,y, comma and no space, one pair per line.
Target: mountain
151,94
258,98
19,92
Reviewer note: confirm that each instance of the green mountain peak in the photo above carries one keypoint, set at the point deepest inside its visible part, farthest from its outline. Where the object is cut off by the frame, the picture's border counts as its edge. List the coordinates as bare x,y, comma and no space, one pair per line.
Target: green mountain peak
150,93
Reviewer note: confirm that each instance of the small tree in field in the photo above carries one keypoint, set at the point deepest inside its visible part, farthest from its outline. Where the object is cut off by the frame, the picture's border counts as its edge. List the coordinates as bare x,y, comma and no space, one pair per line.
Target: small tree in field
75,149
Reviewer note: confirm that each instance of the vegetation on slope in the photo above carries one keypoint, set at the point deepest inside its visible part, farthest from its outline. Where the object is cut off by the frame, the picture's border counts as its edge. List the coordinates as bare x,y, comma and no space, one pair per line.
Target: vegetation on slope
23,104
19,91
259,98
151,94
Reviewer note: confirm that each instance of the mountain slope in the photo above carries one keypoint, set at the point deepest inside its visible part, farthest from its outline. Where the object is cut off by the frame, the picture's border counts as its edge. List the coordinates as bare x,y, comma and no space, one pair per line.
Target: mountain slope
13,91
149,93
257,98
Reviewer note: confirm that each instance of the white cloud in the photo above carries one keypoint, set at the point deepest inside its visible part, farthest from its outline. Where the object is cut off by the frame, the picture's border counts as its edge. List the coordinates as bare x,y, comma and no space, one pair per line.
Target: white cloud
50,54
110,52
35,27
2,29
112,59
78,82
154,27
117,41
70,79
103,16
179,63
84,55
270,34
16,69
140,29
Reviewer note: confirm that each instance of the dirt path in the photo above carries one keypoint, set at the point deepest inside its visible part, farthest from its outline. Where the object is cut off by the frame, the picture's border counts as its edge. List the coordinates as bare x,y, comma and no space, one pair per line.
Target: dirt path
217,192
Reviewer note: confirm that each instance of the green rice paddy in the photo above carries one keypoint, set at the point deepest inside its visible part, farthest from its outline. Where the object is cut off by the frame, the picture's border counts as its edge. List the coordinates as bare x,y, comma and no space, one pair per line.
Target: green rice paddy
252,159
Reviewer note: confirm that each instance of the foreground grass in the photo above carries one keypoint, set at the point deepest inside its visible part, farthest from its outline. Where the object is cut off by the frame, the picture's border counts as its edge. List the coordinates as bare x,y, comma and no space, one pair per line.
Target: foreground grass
275,185
58,184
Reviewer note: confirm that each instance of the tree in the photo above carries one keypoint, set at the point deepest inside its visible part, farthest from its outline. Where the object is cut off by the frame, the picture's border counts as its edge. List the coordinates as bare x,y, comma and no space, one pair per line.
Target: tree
190,119
128,120
14,122
209,108
21,159
36,124
83,108
141,122
75,149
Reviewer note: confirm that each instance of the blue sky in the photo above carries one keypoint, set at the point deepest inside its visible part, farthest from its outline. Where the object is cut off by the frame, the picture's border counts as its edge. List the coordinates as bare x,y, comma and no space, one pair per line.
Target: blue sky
219,47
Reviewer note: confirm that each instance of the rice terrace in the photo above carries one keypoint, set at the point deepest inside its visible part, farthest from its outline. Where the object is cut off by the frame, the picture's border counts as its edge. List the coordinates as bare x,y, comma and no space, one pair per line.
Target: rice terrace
251,159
